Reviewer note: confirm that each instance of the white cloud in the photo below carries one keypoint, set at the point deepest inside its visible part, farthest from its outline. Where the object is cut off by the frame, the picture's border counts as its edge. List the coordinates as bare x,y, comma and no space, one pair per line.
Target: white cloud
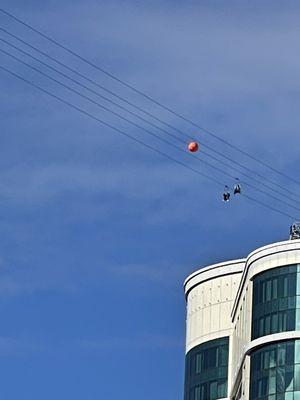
16,347
142,342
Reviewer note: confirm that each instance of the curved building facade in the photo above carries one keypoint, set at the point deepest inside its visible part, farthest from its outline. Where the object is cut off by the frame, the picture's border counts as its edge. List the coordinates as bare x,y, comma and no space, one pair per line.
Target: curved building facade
243,327
210,294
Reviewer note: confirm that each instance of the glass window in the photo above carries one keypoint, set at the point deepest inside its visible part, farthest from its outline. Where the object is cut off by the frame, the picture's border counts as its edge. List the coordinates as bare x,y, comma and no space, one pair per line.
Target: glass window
272,359
298,280
222,389
297,352
289,396
274,322
275,289
289,378
267,325
206,371
197,393
261,326
272,381
275,371
276,307
210,358
213,390
262,387
266,360
297,377
297,395
262,292
269,290
222,356
292,283
198,363
290,350
285,286
280,384
281,354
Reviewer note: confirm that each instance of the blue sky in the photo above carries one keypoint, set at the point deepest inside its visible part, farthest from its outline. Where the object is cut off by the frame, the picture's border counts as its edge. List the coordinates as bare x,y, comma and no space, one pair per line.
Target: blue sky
97,233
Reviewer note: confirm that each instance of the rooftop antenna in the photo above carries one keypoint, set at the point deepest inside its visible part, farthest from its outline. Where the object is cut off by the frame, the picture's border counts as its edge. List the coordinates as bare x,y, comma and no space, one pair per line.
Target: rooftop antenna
295,231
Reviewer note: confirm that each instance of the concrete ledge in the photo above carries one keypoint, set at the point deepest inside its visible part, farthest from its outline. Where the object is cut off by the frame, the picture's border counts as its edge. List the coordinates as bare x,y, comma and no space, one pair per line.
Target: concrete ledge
212,272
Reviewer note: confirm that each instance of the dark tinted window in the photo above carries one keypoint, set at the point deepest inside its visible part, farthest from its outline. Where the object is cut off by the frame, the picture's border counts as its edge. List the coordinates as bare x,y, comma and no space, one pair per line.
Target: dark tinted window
206,371
275,372
276,301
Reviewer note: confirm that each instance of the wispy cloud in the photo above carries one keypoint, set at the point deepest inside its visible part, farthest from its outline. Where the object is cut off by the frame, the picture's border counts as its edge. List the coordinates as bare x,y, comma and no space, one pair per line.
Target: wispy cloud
143,342
15,347
162,273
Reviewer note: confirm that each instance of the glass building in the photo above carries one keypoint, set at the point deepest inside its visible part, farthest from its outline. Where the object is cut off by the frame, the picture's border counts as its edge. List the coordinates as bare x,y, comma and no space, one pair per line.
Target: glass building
243,327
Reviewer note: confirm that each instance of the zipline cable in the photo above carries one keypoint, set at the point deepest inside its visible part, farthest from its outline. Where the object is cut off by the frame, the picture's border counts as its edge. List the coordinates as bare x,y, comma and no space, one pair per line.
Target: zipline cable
86,113
137,116
148,97
146,130
145,120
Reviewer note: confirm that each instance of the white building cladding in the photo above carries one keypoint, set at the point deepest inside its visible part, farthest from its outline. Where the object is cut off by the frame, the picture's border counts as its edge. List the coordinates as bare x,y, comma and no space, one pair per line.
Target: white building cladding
243,327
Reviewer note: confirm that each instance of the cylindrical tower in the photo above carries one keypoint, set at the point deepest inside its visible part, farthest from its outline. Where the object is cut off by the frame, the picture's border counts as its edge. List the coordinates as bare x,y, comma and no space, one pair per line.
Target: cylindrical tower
243,327
266,319
210,293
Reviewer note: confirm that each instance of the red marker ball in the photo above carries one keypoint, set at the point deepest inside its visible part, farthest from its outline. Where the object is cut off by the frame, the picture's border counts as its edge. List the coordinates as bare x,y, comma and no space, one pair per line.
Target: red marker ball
193,146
